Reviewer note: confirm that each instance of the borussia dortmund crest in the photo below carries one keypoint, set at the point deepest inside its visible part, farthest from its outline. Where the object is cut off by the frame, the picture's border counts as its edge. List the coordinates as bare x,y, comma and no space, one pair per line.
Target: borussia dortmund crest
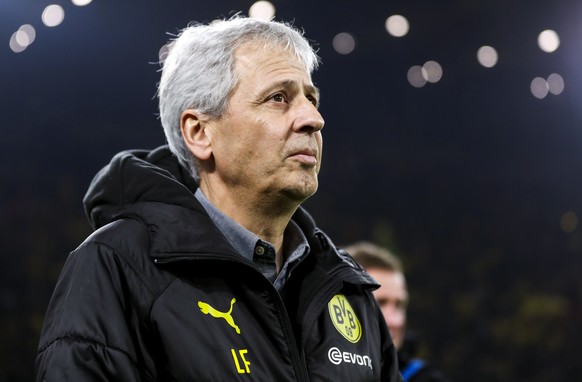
344,318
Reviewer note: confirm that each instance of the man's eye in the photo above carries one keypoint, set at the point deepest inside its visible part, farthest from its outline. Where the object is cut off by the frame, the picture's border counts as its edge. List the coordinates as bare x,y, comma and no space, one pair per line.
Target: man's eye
383,302
313,100
279,97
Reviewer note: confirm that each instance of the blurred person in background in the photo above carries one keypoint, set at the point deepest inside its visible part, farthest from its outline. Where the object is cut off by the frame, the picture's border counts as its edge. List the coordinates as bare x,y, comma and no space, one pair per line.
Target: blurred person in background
203,265
392,296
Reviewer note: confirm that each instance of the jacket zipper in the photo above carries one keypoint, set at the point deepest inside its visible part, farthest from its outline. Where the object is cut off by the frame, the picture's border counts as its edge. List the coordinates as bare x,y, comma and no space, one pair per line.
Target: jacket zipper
299,366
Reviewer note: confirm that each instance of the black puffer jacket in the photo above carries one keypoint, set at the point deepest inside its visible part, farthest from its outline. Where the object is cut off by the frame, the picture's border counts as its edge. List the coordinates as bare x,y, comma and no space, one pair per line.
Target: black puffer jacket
156,293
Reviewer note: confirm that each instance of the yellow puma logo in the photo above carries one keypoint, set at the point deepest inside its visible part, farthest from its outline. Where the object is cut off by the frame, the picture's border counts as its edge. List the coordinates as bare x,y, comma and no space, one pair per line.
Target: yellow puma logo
207,309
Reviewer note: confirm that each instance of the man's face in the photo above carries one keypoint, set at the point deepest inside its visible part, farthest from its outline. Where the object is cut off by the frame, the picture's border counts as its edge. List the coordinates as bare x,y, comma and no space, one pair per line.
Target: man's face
392,297
269,140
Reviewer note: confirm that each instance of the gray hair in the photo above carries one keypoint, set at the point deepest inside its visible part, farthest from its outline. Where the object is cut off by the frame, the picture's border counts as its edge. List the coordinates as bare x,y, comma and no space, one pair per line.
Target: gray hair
199,72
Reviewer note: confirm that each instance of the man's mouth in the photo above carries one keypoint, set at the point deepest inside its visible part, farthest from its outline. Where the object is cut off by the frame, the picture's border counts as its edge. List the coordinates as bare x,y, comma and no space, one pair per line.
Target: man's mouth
305,156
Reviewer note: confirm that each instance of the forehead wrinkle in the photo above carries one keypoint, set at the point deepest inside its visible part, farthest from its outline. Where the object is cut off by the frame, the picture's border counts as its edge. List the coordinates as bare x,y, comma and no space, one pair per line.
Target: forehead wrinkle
248,59
290,84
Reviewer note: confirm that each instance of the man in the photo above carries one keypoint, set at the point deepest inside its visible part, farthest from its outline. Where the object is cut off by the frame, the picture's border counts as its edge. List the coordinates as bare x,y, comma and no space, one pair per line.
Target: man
392,296
204,267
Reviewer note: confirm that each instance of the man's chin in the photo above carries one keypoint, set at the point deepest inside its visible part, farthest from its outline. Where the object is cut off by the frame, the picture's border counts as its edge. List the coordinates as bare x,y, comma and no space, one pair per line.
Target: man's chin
301,190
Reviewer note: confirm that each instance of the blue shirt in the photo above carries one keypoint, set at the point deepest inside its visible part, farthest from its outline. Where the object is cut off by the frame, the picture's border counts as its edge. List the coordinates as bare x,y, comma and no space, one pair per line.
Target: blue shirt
260,252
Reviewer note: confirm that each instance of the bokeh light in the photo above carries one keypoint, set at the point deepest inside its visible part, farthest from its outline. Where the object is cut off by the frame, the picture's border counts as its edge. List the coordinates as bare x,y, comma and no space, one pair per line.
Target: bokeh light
344,43
569,222
397,25
417,76
25,35
22,38
548,41
53,15
539,87
555,84
487,56
432,71
263,10
14,45
81,3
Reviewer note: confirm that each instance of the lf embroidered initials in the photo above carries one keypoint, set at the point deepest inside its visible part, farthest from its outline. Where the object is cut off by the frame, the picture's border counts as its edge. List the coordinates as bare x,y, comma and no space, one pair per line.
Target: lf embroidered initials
245,363
227,316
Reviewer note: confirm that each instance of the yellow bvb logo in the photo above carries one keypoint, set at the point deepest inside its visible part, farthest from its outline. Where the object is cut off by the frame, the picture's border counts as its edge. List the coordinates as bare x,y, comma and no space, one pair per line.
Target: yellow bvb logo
344,318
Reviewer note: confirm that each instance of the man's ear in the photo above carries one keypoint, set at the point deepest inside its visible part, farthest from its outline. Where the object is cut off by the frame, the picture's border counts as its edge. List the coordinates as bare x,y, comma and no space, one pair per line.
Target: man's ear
193,125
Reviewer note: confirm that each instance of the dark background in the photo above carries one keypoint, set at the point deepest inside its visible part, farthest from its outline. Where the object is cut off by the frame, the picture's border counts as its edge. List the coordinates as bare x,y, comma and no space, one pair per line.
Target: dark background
466,179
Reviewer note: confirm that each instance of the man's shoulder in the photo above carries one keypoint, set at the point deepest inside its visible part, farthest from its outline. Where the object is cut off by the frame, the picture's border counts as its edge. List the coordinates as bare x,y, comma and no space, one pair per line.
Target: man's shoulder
125,236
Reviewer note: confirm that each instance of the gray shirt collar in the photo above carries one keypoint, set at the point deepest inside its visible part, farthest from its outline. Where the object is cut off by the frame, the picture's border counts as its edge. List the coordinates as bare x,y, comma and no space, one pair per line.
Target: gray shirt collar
244,241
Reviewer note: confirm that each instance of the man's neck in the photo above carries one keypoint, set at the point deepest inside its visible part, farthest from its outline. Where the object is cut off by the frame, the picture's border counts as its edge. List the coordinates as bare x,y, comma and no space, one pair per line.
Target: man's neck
264,217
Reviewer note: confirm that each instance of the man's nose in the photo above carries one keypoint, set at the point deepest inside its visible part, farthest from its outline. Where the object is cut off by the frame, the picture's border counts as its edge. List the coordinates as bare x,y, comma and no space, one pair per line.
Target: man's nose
393,317
308,119
395,321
